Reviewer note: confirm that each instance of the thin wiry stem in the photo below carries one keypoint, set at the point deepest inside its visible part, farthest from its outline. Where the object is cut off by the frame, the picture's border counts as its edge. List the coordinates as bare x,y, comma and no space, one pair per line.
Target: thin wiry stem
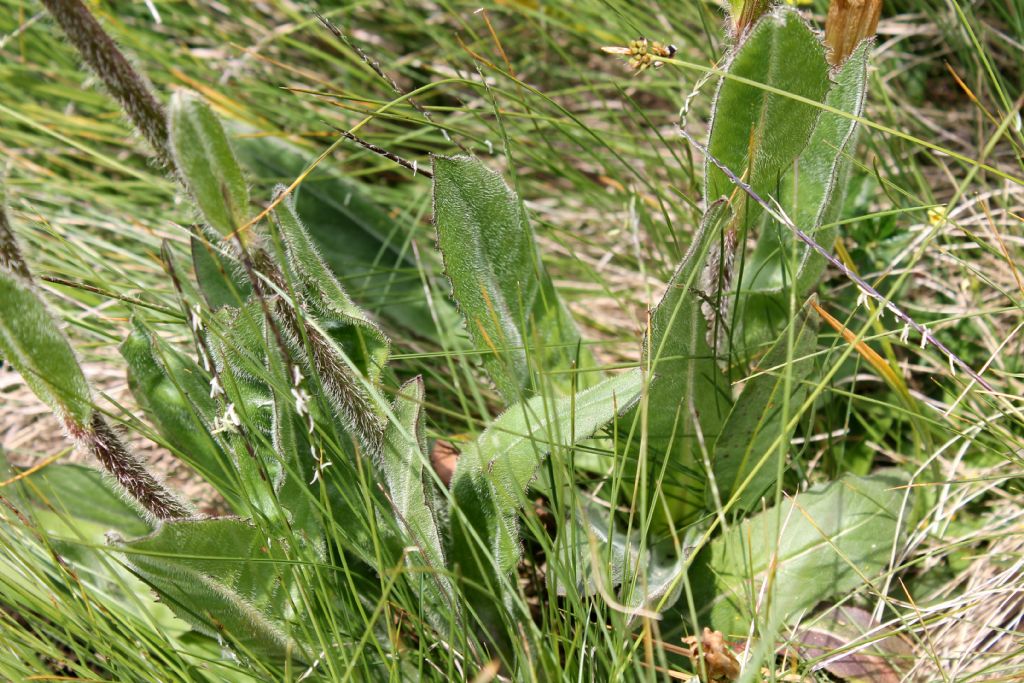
373,64
776,212
390,156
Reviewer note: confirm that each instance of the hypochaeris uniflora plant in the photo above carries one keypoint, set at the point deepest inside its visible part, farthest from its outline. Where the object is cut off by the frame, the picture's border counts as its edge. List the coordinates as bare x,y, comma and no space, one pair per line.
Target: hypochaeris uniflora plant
286,400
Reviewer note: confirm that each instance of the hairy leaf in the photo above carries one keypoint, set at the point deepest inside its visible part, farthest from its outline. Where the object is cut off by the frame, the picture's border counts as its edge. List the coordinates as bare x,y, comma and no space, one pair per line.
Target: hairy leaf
226,578
813,191
409,490
498,280
175,395
207,164
754,436
363,245
31,340
812,194
360,336
757,133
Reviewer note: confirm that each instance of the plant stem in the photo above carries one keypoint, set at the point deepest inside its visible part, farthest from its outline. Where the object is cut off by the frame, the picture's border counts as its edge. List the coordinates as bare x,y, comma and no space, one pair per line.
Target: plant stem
129,470
125,84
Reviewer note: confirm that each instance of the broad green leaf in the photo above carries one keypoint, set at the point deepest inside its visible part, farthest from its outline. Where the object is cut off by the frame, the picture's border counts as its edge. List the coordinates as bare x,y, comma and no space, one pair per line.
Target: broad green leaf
821,543
494,471
207,164
498,280
362,339
217,276
363,245
33,343
758,134
812,194
175,395
227,579
404,457
686,382
754,437
76,507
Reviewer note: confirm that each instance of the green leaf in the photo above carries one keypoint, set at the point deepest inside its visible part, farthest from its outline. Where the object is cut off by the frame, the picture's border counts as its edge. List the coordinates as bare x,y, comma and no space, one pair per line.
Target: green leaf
756,133
821,543
812,194
404,459
226,578
76,507
686,380
498,280
207,164
754,437
362,340
31,341
217,275
363,245
175,395
494,471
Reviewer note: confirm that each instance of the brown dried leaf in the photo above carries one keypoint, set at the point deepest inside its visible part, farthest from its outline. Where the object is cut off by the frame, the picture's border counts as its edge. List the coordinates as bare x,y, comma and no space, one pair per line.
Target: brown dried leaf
848,23
712,659
846,627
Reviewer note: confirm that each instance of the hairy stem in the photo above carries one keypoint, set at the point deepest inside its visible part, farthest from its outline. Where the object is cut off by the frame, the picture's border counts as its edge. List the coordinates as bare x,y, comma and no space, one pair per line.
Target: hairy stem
11,259
128,469
124,83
